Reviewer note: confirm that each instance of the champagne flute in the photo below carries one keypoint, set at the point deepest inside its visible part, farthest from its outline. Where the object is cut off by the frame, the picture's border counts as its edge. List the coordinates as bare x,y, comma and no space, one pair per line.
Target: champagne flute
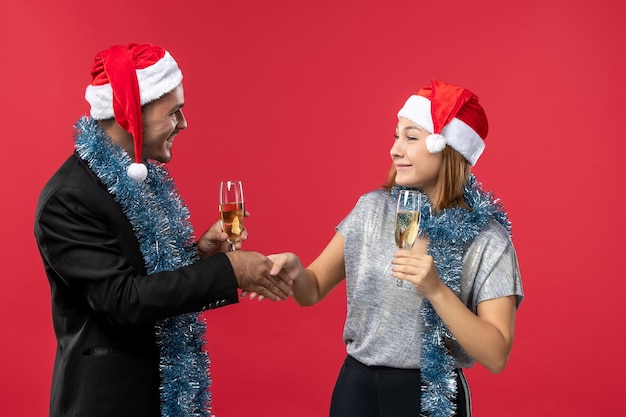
231,210
407,220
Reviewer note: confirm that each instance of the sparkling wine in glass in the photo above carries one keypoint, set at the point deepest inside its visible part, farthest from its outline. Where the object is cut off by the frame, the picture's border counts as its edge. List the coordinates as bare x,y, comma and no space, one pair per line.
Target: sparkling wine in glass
407,220
232,210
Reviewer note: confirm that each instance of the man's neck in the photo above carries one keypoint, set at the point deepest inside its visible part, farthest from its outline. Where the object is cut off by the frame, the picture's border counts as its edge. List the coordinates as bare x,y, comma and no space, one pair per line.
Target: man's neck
118,135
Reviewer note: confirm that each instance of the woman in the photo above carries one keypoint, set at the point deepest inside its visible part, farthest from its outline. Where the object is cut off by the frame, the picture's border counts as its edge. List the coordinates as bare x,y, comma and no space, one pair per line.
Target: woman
459,285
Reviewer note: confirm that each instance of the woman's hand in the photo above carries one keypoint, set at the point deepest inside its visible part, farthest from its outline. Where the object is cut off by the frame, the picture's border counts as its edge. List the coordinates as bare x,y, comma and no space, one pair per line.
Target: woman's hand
286,265
417,267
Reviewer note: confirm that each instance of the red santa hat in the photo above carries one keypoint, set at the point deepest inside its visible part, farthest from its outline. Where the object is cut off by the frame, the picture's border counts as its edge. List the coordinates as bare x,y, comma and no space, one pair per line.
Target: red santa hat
454,117
124,78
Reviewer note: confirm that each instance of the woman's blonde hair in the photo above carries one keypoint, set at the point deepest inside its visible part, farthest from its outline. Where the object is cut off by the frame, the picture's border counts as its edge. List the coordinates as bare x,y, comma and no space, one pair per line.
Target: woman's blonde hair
453,175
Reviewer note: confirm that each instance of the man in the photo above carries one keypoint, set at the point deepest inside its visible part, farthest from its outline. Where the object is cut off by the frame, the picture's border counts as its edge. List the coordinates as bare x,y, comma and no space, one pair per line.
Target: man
127,281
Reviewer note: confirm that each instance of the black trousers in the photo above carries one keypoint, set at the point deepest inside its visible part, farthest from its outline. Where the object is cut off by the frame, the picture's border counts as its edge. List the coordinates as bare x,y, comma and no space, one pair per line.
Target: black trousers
379,391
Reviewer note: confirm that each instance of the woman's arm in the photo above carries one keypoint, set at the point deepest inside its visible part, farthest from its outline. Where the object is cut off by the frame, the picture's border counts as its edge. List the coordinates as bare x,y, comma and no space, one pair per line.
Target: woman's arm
312,284
488,335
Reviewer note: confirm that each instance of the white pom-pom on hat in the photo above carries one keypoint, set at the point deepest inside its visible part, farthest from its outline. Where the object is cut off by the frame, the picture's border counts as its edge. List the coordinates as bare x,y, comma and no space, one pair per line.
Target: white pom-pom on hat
137,171
435,143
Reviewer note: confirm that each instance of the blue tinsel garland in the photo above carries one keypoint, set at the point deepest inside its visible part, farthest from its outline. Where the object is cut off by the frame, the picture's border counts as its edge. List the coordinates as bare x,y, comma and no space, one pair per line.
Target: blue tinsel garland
161,223
448,231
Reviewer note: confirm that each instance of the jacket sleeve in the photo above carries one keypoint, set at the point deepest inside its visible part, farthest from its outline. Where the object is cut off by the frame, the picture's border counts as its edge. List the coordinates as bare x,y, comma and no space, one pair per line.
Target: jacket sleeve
88,247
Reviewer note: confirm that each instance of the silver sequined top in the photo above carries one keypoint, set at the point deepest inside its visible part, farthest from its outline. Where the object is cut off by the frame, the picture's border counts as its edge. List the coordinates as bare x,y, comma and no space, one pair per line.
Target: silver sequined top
383,324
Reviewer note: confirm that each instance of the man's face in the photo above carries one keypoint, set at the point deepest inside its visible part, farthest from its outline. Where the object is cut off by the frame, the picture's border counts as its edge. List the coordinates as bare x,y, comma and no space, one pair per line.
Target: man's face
162,119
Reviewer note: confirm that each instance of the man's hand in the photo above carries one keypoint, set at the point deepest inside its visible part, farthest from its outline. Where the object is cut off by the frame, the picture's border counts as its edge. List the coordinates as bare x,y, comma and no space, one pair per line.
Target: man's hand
215,240
252,271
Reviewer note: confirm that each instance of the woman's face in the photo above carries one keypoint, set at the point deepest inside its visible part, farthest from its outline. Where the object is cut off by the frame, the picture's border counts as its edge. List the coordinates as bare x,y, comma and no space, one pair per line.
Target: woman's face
415,165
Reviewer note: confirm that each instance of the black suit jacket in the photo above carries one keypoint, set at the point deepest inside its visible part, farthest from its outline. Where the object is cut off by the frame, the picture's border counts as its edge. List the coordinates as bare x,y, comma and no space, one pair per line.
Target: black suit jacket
104,306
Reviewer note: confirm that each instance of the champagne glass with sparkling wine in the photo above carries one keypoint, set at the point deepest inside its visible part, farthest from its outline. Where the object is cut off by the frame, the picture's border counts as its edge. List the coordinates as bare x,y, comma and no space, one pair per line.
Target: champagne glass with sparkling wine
407,220
231,210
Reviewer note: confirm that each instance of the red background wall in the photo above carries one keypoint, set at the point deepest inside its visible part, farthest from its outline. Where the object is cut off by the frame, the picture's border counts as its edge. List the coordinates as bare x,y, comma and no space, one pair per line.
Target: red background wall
298,99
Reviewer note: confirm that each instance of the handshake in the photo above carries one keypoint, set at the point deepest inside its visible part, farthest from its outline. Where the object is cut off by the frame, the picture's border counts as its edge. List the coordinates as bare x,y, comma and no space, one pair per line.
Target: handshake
256,274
